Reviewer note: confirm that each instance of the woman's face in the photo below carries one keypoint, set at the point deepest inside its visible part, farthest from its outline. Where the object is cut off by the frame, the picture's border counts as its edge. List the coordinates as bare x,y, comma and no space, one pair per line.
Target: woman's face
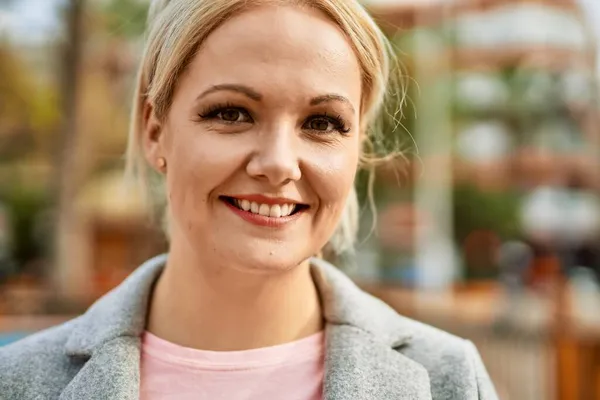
262,140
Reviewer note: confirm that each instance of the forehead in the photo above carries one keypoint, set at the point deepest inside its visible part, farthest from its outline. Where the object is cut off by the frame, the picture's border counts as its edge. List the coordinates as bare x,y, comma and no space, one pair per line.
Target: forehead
279,49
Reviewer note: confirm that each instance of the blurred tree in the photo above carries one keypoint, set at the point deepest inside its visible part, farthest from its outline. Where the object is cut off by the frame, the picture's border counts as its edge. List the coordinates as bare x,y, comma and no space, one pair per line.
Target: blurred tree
68,174
27,108
28,120
97,64
15,106
112,29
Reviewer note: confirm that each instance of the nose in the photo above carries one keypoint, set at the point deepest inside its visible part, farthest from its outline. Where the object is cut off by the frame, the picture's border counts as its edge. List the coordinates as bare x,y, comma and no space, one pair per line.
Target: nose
275,159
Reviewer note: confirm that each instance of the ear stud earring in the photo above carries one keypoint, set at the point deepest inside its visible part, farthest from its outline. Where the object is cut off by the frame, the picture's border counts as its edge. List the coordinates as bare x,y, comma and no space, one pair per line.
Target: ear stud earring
162,163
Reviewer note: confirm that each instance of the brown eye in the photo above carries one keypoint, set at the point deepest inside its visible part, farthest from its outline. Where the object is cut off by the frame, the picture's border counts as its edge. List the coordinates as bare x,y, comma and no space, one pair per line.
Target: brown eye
326,124
226,114
320,125
231,115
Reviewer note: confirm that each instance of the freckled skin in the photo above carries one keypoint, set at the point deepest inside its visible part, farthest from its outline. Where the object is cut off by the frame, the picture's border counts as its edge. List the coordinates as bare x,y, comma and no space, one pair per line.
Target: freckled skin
288,56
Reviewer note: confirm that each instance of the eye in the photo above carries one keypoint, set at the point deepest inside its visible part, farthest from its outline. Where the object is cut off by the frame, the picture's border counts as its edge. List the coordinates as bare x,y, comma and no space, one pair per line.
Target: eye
231,115
227,114
326,123
320,125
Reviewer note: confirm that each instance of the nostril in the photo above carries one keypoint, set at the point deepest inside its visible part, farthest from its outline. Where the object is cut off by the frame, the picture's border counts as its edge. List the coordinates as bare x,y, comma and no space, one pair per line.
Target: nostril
278,170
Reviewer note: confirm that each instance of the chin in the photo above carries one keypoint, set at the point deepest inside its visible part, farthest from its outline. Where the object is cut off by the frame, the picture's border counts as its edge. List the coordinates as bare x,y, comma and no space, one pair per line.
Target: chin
245,253
267,259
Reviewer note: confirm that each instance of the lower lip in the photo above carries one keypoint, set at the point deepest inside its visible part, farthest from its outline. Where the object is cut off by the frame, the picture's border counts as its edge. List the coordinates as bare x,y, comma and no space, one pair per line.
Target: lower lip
261,220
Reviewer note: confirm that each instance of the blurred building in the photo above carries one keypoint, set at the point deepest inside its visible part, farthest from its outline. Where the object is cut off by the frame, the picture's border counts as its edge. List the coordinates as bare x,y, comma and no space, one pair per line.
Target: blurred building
505,97
502,204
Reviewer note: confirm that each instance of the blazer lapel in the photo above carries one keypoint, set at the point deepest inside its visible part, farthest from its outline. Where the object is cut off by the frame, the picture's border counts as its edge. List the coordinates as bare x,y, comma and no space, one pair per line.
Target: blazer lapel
357,367
105,341
364,339
112,372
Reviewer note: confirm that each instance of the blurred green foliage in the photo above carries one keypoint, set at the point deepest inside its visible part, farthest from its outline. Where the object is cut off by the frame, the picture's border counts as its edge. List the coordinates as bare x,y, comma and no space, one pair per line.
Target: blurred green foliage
28,107
25,205
126,18
475,209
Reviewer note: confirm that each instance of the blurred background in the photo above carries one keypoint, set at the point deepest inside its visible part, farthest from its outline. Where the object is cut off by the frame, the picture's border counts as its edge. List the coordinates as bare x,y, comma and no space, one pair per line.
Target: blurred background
489,228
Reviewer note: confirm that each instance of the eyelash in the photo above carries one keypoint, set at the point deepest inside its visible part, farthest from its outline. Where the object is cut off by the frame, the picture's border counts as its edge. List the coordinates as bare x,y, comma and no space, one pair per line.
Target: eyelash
336,121
211,112
214,110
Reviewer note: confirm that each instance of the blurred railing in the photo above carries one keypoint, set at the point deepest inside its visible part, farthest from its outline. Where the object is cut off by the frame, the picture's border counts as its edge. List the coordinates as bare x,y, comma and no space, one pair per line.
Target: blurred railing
527,357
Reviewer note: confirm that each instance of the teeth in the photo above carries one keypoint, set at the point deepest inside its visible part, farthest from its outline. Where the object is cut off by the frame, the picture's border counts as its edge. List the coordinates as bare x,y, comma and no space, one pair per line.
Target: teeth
273,211
245,205
264,210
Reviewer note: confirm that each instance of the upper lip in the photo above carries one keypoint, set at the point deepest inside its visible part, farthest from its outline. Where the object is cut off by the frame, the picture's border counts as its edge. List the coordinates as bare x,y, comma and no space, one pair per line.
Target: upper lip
262,199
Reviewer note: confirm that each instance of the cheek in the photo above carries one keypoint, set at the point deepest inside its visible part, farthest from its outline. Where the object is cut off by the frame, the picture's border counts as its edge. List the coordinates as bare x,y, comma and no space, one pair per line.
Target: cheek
198,163
333,172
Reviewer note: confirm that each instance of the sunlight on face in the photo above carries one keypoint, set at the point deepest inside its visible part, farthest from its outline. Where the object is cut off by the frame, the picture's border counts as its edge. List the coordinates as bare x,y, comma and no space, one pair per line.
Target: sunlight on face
262,139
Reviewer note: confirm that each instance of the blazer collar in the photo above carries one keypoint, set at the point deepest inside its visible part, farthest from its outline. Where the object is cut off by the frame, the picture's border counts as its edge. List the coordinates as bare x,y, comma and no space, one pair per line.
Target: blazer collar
121,312
363,336
346,304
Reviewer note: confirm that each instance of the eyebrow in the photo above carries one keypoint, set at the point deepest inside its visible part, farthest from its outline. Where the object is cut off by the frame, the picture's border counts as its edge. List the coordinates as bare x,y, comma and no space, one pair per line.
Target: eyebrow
254,95
326,98
245,90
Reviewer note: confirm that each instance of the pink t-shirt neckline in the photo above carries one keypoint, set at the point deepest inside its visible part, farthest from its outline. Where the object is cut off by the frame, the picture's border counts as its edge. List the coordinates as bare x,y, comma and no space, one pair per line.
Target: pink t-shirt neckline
310,347
294,371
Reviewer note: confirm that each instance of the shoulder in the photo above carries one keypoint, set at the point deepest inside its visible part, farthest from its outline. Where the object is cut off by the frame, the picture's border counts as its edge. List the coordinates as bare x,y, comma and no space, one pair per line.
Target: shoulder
36,365
454,365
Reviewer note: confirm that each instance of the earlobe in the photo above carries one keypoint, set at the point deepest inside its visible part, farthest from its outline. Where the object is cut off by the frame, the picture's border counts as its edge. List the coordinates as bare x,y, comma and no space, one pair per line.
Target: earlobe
161,164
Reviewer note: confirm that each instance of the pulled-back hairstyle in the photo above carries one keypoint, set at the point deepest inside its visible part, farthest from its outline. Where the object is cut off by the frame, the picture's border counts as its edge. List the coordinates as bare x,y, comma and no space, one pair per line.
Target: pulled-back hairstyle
175,31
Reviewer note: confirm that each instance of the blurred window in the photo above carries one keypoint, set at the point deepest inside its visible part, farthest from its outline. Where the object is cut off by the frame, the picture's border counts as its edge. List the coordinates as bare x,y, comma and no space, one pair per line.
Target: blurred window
481,91
484,141
521,24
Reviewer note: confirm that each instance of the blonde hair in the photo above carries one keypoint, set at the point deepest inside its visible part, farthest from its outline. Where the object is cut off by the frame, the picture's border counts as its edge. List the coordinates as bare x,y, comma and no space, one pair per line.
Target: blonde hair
175,30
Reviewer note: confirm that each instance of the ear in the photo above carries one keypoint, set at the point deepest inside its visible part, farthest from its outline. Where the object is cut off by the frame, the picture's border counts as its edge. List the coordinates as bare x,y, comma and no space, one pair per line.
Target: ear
152,137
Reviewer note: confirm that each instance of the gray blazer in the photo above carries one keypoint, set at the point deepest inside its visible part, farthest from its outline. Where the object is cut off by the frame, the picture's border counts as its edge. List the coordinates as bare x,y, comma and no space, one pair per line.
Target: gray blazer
371,351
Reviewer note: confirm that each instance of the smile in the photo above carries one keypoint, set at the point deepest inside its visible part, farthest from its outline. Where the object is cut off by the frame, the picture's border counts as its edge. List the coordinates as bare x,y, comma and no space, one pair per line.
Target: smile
265,211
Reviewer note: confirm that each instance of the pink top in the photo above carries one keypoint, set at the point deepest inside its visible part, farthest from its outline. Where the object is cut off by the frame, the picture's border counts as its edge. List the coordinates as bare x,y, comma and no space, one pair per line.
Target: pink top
292,371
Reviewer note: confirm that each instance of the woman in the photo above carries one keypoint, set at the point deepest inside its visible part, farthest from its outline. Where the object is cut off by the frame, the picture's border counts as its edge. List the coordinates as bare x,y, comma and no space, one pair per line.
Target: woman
255,116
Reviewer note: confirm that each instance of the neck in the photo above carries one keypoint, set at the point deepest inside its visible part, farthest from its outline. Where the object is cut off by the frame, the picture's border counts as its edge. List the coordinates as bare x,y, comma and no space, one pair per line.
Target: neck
224,309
